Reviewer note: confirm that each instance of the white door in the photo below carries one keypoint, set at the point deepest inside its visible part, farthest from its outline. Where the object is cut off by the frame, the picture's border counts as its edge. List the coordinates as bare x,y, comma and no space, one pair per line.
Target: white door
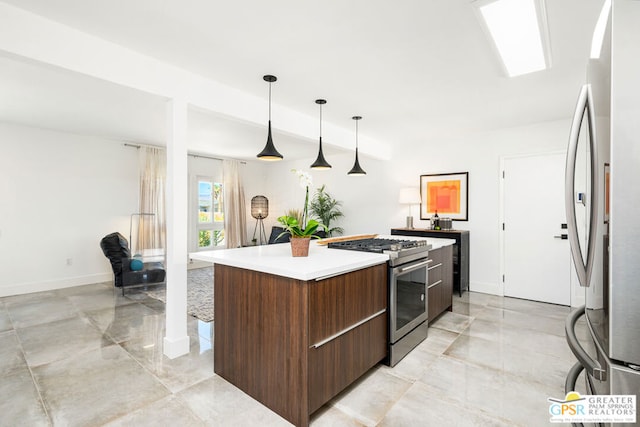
536,257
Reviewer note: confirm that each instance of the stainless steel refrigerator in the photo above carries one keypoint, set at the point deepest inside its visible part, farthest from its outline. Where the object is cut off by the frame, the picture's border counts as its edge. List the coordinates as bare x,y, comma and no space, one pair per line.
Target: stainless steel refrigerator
602,192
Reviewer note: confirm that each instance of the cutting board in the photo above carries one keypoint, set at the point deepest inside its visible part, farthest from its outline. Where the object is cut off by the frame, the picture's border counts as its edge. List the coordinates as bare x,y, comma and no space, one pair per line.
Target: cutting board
345,238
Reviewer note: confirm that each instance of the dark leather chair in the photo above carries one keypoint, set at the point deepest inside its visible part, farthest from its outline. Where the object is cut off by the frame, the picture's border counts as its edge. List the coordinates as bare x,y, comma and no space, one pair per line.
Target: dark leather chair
275,235
116,248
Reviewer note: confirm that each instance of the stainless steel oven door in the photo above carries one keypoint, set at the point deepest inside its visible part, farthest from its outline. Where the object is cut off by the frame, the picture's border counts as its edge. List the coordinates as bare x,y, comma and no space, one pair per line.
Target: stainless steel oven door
407,297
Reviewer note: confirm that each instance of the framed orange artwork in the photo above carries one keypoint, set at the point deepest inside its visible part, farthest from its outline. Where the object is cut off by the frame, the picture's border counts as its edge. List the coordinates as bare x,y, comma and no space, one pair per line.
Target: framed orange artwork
445,193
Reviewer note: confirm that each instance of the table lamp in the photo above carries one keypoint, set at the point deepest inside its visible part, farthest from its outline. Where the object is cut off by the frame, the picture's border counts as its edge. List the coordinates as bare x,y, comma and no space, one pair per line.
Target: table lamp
409,196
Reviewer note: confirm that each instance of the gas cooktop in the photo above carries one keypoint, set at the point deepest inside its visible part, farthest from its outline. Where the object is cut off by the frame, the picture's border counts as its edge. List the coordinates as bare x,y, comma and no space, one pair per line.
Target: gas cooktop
379,245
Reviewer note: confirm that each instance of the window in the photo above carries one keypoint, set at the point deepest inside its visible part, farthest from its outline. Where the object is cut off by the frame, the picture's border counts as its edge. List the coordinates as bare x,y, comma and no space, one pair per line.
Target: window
210,214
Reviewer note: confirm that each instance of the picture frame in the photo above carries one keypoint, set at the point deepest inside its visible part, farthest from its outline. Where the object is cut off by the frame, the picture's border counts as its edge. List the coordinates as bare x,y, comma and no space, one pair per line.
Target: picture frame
446,193
607,187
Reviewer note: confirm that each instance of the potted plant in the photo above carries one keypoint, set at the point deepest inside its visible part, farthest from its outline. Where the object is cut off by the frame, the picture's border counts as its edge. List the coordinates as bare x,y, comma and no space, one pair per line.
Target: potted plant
326,209
301,231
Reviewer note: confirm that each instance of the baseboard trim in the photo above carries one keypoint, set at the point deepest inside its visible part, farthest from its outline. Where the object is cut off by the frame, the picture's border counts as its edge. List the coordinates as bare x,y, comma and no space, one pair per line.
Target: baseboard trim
486,288
176,348
50,285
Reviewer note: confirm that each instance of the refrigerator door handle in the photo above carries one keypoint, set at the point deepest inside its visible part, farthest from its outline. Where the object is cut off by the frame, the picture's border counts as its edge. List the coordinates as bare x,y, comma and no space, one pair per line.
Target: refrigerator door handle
584,105
592,367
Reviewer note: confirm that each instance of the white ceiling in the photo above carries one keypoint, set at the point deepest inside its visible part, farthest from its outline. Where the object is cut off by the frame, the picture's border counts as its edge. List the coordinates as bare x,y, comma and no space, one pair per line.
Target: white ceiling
417,70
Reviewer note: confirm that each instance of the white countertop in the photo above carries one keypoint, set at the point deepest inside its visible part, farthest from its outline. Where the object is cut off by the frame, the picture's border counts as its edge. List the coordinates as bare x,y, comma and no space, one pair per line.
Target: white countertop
321,262
276,259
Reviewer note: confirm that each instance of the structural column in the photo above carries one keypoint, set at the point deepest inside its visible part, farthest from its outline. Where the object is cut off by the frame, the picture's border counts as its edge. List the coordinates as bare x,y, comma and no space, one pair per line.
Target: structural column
176,341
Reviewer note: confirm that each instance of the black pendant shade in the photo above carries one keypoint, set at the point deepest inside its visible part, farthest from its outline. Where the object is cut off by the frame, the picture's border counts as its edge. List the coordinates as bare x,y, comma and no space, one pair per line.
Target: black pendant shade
321,162
356,170
269,152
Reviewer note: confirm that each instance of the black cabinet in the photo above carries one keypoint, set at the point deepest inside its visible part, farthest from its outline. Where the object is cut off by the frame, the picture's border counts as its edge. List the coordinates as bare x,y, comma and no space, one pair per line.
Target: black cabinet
460,251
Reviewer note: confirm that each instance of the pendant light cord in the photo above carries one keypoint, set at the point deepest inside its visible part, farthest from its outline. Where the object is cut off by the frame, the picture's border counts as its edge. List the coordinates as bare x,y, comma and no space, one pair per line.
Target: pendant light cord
269,101
320,122
356,135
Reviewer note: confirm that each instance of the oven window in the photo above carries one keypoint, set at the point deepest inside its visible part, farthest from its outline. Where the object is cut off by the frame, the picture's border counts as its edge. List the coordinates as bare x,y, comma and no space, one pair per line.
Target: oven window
410,297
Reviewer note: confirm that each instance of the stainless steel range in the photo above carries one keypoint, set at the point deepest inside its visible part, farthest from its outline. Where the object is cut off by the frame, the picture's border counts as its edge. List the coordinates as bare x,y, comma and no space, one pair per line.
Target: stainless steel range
407,290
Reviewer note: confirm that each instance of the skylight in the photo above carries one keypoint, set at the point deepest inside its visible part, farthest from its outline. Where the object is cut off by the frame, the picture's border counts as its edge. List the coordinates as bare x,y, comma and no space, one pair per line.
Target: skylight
519,33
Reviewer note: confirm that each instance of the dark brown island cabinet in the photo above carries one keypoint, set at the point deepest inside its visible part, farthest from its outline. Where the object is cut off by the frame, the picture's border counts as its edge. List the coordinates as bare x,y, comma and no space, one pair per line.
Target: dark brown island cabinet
294,344
440,289
460,251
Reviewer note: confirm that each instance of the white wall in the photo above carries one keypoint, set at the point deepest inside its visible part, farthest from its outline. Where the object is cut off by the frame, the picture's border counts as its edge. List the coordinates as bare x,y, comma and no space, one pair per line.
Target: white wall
59,195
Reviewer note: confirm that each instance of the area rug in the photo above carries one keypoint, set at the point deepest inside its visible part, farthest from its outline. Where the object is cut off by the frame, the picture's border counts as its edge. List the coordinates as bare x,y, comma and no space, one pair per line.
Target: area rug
199,293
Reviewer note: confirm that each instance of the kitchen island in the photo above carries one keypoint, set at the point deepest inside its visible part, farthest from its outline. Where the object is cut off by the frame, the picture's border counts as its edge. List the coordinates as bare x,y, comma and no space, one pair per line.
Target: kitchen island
293,332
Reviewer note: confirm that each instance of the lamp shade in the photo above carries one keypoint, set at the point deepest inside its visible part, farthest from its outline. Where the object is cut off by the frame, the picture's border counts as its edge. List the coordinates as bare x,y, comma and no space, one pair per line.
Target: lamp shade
356,170
259,207
409,196
269,152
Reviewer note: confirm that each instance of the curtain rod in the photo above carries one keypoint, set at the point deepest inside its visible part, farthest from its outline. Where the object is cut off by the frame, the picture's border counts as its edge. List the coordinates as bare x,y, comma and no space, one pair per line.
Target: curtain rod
126,144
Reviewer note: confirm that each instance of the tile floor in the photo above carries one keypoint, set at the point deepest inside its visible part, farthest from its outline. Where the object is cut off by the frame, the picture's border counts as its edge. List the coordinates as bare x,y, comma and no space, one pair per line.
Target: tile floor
87,356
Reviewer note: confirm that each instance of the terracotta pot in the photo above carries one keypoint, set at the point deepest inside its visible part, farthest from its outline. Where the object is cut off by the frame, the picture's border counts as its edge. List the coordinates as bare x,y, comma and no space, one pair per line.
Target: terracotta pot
300,246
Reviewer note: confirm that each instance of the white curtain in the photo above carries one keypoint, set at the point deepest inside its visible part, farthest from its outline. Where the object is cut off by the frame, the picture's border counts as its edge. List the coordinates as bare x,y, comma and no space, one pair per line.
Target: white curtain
151,235
235,219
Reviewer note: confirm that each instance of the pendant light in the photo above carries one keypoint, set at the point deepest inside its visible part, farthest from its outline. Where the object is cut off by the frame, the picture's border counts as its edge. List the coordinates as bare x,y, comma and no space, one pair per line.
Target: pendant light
356,170
270,153
321,162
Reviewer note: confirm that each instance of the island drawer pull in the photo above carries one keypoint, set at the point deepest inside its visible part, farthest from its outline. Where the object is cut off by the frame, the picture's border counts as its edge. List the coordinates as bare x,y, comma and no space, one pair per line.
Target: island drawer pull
434,284
344,331
435,266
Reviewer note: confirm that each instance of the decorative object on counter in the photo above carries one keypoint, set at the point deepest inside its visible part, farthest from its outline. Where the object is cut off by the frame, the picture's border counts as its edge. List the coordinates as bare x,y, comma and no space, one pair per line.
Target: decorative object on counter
435,221
320,163
327,210
356,170
300,246
269,152
301,232
447,193
300,236
409,196
259,210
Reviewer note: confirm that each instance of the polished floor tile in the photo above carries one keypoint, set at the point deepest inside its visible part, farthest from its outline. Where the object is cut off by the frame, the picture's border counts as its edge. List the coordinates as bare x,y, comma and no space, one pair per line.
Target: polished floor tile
491,391
420,406
20,404
507,334
96,387
5,321
40,311
369,398
61,339
453,322
218,403
533,366
126,322
88,356
11,354
168,411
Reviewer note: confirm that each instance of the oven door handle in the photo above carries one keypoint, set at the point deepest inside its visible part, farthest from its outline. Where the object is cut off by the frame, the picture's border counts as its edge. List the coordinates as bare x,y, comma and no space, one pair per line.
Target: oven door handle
415,266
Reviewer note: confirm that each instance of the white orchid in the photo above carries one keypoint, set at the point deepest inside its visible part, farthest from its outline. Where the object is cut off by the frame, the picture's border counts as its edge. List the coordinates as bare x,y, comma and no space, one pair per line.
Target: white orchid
305,183
304,178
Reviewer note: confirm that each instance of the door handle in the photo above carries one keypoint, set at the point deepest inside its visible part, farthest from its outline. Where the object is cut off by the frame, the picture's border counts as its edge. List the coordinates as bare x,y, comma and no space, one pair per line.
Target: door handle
584,109
561,236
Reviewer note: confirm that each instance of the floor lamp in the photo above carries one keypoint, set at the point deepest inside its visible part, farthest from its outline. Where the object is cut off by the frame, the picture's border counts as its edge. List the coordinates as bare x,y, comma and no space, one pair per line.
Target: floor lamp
259,210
